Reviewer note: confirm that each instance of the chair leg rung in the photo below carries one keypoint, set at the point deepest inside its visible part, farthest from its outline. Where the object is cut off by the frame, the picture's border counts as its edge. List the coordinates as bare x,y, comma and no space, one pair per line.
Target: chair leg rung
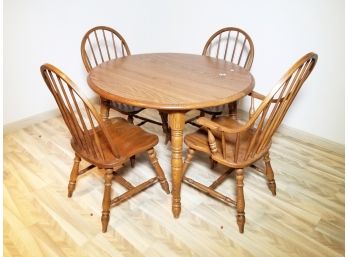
257,168
192,119
123,182
194,124
221,179
147,120
208,191
86,169
141,123
125,196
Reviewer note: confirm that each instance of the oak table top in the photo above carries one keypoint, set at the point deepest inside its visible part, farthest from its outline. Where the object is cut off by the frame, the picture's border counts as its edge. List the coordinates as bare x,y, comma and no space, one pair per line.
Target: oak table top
170,81
175,83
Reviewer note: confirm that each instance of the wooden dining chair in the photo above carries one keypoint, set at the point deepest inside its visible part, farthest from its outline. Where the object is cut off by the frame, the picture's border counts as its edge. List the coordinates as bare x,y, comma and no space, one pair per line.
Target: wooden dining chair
101,44
231,45
105,144
237,144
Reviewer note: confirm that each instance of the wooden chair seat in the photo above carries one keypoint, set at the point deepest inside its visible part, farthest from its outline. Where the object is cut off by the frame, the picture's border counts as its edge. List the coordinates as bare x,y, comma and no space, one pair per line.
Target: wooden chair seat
130,140
199,141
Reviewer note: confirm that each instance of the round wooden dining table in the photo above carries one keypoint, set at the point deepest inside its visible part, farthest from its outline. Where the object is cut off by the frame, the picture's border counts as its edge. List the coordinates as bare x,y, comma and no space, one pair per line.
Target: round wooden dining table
174,83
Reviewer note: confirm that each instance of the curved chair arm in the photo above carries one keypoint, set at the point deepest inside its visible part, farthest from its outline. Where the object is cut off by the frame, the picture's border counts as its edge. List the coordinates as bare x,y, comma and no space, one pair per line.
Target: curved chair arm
261,97
213,126
252,115
257,95
205,122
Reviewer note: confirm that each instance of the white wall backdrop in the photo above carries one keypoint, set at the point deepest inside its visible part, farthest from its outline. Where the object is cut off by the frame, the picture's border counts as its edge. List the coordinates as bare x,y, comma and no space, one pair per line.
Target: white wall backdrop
39,31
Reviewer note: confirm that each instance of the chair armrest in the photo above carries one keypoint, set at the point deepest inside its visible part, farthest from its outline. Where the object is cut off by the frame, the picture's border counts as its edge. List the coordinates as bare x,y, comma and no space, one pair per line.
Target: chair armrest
262,97
257,95
205,122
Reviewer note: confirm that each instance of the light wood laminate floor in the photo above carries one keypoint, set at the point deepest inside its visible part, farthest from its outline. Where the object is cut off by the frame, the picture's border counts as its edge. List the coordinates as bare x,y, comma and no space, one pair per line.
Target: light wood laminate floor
306,218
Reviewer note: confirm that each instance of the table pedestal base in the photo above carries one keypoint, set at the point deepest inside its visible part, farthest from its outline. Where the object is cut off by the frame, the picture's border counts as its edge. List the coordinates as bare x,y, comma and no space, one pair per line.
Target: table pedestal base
177,123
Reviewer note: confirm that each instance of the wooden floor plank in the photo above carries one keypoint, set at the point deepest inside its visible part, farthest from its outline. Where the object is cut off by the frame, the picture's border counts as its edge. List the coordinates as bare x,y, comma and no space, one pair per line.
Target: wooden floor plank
306,218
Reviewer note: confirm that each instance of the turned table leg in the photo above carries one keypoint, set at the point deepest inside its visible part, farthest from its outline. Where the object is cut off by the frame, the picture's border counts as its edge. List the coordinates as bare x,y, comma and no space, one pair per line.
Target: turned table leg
177,122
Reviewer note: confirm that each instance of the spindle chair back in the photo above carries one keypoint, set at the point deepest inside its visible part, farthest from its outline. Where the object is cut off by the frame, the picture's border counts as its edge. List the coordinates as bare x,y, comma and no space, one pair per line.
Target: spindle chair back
266,119
231,45
84,124
101,44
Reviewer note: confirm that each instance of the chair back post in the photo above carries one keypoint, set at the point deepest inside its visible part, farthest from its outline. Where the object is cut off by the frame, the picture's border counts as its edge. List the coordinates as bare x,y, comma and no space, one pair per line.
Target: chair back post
101,44
231,44
82,120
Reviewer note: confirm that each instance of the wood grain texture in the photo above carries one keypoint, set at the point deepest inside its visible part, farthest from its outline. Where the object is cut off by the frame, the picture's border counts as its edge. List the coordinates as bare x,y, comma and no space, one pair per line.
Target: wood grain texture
305,219
170,81
173,83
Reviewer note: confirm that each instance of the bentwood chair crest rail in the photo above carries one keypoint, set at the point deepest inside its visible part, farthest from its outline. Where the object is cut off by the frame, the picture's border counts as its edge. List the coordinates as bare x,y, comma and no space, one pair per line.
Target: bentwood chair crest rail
101,44
105,144
237,144
232,45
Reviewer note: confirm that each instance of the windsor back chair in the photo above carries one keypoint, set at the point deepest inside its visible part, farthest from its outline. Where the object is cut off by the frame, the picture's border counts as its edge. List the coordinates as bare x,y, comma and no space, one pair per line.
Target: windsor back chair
105,144
232,45
101,44
237,145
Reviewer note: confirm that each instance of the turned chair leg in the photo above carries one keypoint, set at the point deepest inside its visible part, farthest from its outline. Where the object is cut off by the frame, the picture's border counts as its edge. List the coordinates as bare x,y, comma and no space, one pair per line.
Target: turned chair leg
232,110
212,163
270,174
160,174
106,200
73,175
240,204
130,119
190,153
168,136
104,109
132,161
165,127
